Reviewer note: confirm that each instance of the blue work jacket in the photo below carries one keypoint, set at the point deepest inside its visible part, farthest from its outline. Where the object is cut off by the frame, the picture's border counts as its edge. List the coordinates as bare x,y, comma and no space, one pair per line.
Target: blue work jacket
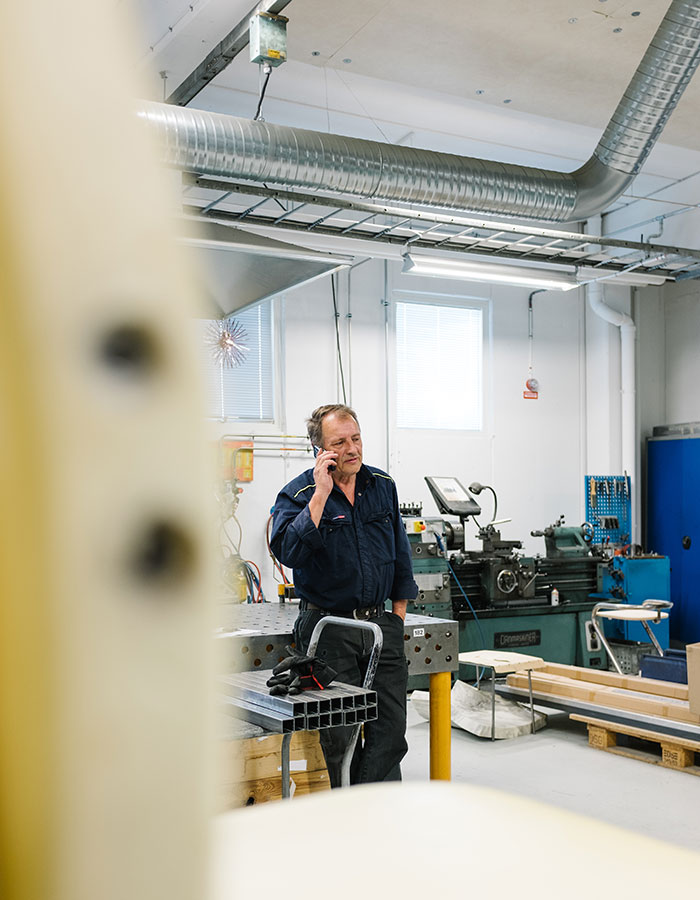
358,556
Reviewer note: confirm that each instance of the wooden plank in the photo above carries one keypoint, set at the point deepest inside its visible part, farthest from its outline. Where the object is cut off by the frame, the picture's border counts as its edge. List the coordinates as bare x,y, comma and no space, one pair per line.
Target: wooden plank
249,771
254,758
310,782
608,689
676,753
250,793
612,679
501,661
601,695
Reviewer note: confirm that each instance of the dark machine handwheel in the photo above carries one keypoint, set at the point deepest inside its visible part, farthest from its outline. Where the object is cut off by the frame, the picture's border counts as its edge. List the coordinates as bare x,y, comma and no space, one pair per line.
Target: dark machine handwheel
506,581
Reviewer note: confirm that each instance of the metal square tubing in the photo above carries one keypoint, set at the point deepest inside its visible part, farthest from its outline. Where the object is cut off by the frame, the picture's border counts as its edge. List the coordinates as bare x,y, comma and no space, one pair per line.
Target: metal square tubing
258,715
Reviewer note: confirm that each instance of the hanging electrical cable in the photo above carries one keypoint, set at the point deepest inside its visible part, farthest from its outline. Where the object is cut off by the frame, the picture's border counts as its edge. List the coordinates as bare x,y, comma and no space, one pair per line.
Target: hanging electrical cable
276,564
250,592
253,572
443,550
337,339
267,71
235,546
532,385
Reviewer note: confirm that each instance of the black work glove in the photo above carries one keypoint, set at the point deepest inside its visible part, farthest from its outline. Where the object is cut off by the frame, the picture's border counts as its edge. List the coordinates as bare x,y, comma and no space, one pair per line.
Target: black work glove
298,673
284,684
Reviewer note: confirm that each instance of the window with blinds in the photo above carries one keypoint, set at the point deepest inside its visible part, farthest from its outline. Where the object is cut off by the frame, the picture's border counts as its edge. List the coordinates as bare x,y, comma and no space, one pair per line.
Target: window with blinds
245,391
439,366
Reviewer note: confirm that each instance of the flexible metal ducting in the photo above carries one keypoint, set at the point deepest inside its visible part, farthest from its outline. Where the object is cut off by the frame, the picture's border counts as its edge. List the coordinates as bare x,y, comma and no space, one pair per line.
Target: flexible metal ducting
231,147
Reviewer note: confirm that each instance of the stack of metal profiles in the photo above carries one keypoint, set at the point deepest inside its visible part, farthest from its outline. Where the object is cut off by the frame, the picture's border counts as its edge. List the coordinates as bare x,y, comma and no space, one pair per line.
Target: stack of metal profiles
247,696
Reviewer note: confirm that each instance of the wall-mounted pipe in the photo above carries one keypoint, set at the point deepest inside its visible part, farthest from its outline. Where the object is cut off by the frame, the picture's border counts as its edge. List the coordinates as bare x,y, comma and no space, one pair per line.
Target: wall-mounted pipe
231,147
628,424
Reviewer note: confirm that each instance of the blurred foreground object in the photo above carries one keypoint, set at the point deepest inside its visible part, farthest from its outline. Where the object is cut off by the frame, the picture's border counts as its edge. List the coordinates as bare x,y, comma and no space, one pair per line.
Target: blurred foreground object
483,843
104,626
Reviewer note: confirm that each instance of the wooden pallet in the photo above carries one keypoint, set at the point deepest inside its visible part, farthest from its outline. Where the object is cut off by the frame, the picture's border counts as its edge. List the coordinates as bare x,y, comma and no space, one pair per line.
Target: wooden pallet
659,749
250,771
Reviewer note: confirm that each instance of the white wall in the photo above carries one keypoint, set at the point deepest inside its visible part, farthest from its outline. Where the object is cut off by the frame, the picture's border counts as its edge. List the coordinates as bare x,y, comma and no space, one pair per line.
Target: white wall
669,349
532,451
682,343
529,450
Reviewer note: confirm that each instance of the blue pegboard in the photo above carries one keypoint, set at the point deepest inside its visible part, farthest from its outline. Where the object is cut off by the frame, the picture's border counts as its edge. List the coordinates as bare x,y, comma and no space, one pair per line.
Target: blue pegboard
608,499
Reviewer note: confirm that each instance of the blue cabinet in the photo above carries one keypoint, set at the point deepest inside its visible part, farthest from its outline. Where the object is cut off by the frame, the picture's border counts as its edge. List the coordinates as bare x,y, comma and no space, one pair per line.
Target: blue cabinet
634,579
673,522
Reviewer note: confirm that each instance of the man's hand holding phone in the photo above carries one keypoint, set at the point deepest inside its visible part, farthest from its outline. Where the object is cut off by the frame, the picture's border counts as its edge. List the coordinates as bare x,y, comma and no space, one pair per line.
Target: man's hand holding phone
325,464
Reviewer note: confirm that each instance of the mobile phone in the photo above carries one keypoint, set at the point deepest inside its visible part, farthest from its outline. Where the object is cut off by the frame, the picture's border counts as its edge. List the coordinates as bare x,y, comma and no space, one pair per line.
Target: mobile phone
317,450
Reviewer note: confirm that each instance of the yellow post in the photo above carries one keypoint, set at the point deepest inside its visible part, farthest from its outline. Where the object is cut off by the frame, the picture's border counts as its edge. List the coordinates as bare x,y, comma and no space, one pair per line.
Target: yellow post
440,726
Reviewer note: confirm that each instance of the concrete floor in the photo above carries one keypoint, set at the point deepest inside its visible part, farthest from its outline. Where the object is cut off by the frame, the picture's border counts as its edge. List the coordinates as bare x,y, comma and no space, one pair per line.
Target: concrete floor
557,766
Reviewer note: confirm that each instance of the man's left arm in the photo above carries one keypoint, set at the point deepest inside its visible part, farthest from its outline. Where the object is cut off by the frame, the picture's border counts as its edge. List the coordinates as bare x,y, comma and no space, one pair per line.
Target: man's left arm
399,607
404,587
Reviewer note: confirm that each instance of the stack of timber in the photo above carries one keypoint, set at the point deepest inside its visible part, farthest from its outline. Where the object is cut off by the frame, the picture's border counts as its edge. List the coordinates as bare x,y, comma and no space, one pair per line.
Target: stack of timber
249,770
665,700
653,717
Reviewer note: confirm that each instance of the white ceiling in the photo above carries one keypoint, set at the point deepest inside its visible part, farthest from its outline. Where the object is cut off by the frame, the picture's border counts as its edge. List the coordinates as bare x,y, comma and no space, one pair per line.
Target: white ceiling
415,72
529,52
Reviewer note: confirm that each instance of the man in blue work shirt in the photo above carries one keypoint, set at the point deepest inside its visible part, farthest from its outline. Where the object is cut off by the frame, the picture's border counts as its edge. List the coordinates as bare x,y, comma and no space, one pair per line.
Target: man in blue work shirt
338,526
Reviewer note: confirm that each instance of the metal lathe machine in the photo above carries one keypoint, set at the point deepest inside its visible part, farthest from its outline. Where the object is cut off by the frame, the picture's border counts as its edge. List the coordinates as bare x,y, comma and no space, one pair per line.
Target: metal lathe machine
503,599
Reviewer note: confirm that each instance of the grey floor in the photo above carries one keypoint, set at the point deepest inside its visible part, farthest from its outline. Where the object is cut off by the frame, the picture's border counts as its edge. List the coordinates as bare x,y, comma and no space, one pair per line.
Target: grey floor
557,766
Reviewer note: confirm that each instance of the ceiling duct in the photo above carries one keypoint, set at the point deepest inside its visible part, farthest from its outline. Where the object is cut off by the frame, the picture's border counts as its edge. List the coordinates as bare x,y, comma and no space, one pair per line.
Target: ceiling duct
231,147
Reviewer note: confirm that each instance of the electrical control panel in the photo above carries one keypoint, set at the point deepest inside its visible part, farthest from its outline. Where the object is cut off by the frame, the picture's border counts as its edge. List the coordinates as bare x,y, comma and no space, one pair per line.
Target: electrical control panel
268,39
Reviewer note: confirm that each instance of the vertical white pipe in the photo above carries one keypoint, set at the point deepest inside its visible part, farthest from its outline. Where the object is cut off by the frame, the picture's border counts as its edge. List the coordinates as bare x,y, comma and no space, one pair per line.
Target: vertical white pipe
583,400
628,396
628,425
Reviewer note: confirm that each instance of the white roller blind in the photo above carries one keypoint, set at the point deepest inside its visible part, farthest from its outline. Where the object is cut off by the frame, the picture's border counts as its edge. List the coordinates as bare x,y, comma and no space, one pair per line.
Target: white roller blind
439,366
246,391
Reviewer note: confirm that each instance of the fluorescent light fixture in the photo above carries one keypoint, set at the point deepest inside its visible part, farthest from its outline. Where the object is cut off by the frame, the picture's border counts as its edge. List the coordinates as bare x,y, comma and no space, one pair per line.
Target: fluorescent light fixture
503,273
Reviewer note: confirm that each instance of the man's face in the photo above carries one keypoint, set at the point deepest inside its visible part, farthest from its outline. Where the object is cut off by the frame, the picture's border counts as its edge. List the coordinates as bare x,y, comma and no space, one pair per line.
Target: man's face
342,435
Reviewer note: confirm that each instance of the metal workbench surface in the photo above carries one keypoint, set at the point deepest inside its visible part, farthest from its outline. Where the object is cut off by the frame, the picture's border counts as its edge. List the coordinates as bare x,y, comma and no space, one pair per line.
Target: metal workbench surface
256,634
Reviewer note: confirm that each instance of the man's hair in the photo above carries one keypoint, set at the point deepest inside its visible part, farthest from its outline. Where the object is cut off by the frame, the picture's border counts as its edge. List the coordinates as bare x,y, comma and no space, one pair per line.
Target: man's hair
314,424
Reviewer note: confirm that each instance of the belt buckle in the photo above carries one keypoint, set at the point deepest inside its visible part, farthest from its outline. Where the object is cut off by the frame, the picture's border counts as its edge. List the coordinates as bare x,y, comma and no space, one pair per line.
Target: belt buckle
362,613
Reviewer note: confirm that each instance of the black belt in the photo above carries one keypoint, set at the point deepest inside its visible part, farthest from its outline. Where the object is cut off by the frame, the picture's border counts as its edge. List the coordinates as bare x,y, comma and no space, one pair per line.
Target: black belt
364,612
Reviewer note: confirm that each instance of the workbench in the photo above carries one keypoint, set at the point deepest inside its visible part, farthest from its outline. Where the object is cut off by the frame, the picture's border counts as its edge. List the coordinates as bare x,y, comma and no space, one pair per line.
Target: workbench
255,635
502,662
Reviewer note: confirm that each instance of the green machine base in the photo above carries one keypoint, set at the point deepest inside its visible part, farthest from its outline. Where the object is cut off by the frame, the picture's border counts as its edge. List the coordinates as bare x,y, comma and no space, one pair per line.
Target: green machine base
560,634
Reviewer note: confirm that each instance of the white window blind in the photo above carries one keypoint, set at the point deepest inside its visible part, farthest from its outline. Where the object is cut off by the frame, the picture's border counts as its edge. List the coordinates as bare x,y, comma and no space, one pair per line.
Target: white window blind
439,366
245,391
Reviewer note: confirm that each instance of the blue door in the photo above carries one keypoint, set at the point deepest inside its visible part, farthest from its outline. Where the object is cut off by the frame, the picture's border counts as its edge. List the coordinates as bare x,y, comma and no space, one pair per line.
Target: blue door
673,525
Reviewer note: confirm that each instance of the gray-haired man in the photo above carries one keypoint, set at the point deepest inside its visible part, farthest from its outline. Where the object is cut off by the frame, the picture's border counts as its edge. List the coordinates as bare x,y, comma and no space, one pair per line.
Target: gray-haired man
339,528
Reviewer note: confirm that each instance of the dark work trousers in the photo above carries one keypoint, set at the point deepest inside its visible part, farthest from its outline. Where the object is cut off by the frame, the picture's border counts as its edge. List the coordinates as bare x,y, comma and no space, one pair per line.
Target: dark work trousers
347,650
